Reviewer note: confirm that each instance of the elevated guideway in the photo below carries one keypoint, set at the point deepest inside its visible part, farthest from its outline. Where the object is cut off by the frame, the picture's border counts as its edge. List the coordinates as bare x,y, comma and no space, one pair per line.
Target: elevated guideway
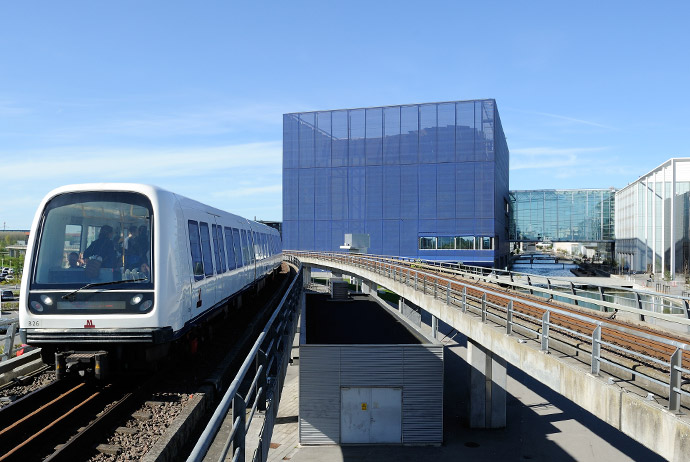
621,363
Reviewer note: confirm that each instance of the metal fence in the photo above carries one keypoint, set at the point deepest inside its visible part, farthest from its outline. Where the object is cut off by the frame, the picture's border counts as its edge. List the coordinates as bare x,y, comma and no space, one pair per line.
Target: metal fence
10,327
463,295
265,366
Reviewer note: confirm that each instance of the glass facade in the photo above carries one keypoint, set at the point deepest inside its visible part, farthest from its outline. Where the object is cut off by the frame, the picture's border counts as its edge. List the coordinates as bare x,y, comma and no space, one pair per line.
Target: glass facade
653,221
581,215
418,179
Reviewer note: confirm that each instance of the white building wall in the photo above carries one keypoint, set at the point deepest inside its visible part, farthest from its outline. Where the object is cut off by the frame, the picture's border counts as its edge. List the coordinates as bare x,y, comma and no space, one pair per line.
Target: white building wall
652,220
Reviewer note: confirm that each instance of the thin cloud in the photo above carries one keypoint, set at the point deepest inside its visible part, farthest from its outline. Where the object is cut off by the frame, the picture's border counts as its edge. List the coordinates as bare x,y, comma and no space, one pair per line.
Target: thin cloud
132,164
549,157
572,120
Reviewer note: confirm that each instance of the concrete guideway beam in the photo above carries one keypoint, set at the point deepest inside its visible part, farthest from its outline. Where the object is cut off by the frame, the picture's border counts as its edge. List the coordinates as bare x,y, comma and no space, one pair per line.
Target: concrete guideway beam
664,432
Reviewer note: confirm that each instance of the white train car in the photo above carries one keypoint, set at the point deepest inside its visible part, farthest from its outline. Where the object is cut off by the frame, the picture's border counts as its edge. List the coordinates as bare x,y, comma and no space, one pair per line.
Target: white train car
114,267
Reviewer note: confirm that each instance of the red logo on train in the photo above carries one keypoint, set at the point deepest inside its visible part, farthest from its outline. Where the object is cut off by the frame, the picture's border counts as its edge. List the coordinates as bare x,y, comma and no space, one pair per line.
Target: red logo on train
89,324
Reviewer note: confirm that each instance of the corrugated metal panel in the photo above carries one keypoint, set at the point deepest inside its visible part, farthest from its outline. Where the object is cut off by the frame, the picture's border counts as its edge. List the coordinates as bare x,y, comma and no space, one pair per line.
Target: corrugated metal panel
319,394
324,369
423,394
371,365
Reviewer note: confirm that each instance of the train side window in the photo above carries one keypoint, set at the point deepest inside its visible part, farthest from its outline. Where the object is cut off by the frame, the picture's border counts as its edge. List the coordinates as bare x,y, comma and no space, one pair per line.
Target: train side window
245,249
229,246
206,252
250,247
195,248
237,242
219,248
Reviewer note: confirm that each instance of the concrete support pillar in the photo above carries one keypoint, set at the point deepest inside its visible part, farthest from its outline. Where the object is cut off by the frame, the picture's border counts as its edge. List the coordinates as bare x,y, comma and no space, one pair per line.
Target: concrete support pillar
434,326
401,302
306,276
367,287
488,382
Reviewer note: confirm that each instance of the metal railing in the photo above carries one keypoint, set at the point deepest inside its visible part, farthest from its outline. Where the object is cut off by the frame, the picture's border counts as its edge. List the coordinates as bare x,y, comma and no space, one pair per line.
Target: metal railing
468,297
10,327
601,297
267,361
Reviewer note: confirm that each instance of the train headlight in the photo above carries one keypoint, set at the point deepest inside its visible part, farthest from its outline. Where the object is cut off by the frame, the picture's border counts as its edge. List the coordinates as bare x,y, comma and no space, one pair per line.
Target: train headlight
46,300
36,306
146,305
136,299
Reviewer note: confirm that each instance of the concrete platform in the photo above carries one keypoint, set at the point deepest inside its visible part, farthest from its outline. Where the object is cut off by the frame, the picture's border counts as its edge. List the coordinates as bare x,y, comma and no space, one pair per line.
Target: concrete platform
542,426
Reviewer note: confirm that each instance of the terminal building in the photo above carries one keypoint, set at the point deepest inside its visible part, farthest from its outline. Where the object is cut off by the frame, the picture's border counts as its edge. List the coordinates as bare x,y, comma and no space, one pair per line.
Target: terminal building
580,221
421,180
653,221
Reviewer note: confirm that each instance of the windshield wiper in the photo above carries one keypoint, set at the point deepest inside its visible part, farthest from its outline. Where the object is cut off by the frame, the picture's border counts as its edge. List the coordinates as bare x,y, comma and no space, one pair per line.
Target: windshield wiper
70,296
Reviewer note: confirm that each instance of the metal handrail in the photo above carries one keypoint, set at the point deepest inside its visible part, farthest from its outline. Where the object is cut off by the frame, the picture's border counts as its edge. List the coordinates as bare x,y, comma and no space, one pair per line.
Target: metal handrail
413,264
231,397
674,364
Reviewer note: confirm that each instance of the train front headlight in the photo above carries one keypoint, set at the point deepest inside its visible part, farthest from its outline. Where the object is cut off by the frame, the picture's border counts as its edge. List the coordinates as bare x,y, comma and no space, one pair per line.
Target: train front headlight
146,305
46,300
136,299
36,306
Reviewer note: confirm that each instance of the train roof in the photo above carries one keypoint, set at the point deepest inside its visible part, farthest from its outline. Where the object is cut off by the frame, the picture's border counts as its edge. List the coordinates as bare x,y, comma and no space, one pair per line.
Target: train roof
149,191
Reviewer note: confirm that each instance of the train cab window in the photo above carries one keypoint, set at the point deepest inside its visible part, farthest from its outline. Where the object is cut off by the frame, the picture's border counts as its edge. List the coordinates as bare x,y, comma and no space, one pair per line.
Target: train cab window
206,249
195,248
237,242
229,245
218,248
79,240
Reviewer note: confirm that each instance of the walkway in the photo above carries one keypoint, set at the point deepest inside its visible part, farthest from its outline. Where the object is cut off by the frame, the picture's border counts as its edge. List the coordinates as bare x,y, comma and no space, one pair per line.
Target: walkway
542,426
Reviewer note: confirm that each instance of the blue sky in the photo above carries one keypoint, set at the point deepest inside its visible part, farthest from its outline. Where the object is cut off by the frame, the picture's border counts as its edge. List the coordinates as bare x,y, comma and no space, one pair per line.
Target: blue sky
190,95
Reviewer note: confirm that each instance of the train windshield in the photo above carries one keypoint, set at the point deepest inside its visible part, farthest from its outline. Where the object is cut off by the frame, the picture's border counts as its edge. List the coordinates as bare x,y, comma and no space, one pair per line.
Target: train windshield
95,237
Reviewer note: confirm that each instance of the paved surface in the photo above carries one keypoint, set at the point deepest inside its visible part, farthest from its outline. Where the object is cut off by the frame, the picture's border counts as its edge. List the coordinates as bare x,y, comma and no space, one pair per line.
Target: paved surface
542,426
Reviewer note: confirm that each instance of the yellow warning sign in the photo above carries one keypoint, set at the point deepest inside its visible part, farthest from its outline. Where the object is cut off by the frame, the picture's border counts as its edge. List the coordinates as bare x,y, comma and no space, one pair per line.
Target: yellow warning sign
364,406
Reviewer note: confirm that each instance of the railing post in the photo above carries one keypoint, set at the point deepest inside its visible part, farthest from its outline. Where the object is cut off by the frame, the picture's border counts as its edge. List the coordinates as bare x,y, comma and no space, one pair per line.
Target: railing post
639,305
9,341
448,294
675,381
424,283
484,307
239,409
572,290
464,299
509,318
545,331
596,350
529,282
435,287
262,383
415,280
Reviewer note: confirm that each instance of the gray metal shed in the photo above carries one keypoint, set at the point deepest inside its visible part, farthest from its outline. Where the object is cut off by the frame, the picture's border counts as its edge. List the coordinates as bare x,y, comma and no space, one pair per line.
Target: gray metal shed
367,393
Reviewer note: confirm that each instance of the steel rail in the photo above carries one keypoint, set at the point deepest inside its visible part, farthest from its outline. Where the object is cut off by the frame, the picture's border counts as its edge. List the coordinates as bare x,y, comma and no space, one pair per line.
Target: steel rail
609,330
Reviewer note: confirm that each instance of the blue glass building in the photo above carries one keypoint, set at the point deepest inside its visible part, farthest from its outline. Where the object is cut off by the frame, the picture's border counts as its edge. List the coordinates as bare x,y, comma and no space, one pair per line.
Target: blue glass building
422,180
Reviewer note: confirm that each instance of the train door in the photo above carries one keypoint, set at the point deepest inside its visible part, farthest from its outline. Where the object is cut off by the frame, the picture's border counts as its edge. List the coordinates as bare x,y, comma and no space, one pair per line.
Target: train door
199,226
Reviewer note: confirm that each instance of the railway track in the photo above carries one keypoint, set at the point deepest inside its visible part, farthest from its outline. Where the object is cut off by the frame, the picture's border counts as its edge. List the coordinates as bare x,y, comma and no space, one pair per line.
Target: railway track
42,424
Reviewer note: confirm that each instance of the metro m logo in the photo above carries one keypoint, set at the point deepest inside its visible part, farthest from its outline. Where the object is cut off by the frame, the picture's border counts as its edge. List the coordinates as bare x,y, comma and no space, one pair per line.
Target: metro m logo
89,324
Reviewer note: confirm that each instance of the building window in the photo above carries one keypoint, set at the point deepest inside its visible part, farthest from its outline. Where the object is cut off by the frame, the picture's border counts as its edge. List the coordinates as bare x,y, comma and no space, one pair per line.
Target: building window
427,243
485,243
446,242
464,242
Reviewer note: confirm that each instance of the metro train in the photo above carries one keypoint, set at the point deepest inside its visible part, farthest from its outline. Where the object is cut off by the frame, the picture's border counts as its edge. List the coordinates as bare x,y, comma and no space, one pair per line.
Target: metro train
116,271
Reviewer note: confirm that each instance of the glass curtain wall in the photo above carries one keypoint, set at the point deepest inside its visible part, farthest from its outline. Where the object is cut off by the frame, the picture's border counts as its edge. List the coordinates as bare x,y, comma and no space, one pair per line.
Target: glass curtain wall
653,220
562,215
398,174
